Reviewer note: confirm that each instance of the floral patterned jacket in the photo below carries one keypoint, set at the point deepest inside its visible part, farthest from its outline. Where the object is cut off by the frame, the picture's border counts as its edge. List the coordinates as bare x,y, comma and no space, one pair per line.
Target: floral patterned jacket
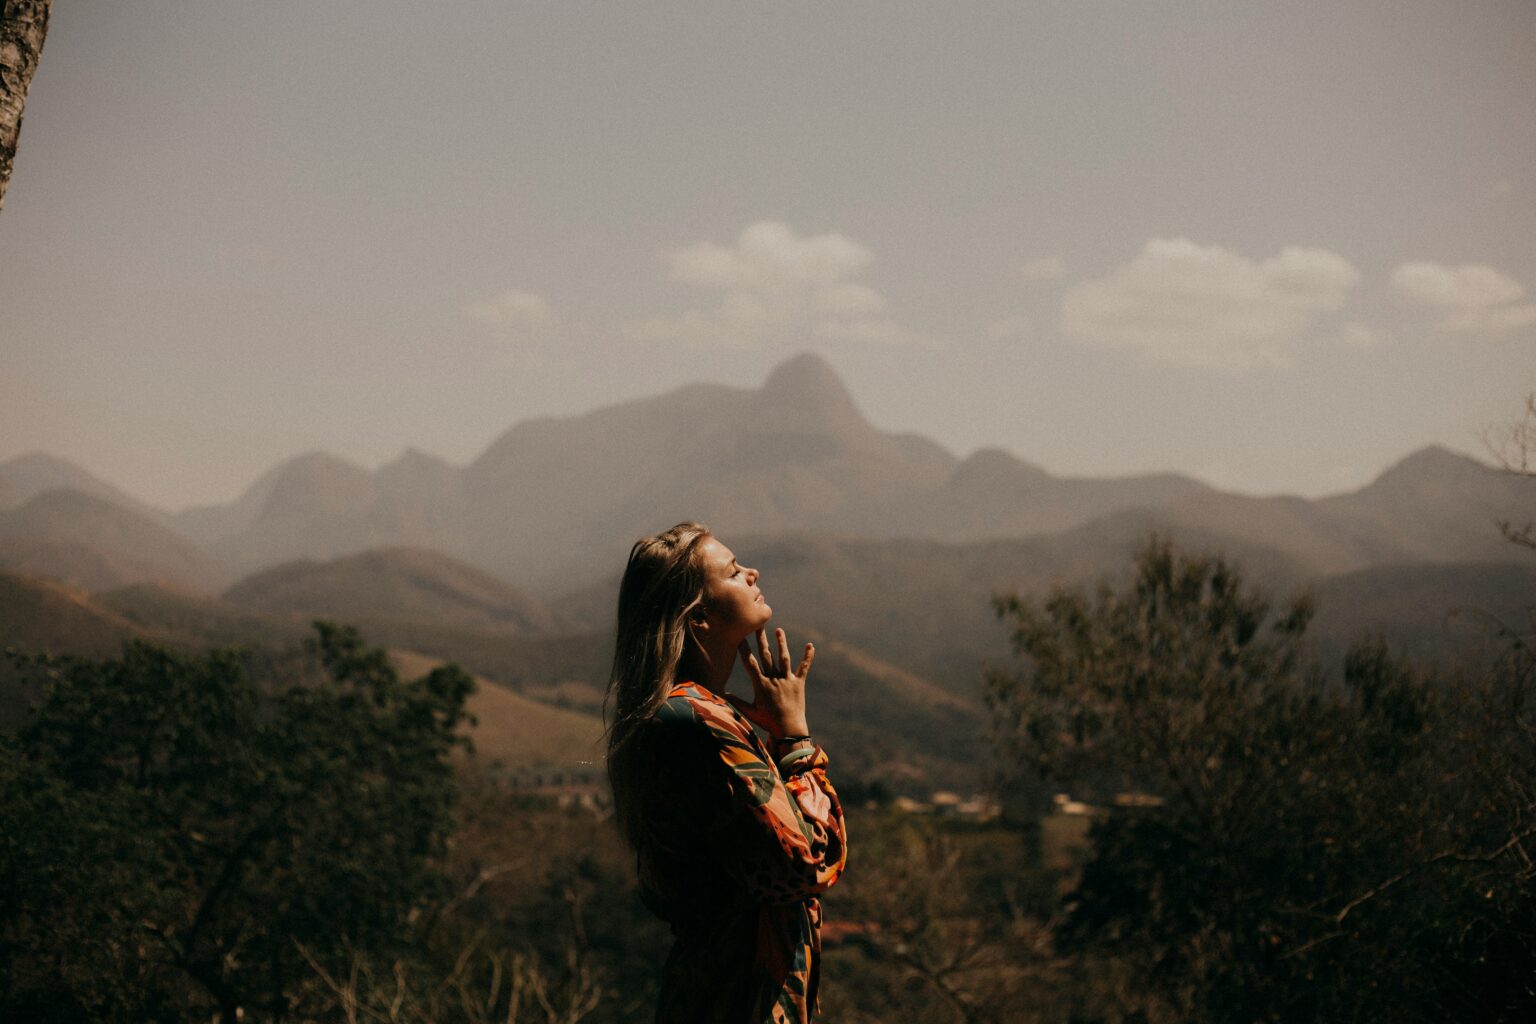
733,854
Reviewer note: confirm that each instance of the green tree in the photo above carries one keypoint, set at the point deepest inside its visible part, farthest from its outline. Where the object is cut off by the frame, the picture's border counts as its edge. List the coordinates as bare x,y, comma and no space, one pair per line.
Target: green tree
1284,847
171,834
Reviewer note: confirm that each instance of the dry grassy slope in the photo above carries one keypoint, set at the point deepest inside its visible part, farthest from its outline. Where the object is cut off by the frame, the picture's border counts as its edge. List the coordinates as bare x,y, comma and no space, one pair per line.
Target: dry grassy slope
41,615
196,621
517,731
74,563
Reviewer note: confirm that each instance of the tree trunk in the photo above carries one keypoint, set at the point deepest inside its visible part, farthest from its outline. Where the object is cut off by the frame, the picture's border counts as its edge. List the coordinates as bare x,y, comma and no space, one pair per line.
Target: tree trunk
23,24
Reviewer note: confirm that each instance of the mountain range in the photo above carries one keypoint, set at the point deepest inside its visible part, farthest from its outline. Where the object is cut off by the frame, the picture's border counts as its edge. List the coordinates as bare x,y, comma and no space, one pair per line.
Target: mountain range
886,548
553,503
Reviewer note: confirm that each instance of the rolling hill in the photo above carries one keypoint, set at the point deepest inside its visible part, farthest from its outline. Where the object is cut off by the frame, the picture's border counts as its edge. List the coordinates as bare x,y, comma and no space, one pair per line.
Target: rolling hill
411,584
26,476
85,539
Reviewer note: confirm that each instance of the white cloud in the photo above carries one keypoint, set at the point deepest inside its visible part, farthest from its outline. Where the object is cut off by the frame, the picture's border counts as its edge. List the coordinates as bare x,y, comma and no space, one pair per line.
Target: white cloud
1043,268
768,257
1464,287
1474,297
1208,306
774,284
516,314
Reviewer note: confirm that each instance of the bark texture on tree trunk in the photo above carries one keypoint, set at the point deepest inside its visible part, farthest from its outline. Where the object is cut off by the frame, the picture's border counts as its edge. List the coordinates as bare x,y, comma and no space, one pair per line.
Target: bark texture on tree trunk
23,25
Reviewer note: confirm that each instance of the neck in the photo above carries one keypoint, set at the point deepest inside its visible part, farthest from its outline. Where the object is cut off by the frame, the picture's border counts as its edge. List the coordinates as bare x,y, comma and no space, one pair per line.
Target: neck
708,667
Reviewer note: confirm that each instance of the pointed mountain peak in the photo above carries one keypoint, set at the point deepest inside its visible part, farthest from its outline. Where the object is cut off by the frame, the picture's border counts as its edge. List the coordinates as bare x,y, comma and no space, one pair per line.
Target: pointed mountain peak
807,381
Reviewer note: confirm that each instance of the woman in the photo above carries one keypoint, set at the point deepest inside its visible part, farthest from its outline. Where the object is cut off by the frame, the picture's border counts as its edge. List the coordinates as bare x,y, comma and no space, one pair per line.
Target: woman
733,837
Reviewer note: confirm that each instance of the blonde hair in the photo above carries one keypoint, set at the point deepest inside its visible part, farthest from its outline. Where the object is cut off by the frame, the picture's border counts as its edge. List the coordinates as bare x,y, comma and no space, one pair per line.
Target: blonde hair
663,584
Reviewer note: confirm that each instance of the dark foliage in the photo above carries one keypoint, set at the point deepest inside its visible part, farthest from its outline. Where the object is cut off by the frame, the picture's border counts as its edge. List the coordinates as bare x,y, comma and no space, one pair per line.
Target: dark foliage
177,842
1281,849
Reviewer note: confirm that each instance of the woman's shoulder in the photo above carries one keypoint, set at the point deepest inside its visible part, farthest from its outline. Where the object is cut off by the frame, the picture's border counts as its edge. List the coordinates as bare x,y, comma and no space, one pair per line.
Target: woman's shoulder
691,706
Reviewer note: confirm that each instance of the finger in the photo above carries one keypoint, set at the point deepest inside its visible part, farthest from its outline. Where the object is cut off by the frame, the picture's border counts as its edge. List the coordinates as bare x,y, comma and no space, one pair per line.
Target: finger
783,640
744,706
762,648
805,662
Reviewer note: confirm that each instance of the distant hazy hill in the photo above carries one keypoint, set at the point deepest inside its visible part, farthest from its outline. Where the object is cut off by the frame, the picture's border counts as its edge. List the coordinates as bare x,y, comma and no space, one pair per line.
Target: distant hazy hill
26,476
88,540
1436,505
1428,610
207,525
992,494
412,584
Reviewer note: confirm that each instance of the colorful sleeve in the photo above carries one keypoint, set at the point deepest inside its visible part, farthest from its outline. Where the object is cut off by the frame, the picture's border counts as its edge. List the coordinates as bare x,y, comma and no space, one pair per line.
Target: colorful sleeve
782,836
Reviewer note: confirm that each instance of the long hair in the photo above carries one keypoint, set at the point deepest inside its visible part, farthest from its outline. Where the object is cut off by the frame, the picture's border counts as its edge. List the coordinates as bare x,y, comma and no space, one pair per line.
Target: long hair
663,583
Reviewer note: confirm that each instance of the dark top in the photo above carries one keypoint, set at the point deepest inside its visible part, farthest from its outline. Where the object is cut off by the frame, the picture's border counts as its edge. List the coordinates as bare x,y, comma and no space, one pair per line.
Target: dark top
733,854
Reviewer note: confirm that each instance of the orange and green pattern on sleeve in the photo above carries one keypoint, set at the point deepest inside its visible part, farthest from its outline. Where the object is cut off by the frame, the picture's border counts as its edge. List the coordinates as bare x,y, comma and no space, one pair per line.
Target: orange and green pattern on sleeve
781,853
773,843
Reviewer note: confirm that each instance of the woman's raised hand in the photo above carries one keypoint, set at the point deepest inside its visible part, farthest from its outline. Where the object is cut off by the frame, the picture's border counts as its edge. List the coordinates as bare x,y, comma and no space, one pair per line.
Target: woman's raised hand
778,695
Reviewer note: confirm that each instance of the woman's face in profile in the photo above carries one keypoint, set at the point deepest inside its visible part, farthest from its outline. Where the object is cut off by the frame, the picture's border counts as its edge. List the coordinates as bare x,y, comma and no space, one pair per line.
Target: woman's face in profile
733,606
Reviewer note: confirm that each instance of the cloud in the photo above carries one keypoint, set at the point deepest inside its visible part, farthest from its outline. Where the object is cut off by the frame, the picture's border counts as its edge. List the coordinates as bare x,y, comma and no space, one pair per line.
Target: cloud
515,314
768,257
1043,268
1359,335
1473,297
773,285
1201,305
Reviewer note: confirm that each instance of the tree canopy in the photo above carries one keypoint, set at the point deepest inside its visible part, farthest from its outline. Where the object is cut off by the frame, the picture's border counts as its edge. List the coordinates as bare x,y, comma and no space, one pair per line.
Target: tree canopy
1277,844
178,841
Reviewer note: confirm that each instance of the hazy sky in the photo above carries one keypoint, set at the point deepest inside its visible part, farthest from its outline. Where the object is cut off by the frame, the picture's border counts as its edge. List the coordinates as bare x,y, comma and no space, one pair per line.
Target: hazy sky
1277,246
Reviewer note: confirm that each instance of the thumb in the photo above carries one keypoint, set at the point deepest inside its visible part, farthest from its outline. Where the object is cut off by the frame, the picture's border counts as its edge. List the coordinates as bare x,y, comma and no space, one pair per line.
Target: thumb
746,707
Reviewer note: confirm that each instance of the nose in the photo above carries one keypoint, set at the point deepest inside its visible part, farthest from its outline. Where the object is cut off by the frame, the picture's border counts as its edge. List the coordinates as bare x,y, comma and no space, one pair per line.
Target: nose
752,576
